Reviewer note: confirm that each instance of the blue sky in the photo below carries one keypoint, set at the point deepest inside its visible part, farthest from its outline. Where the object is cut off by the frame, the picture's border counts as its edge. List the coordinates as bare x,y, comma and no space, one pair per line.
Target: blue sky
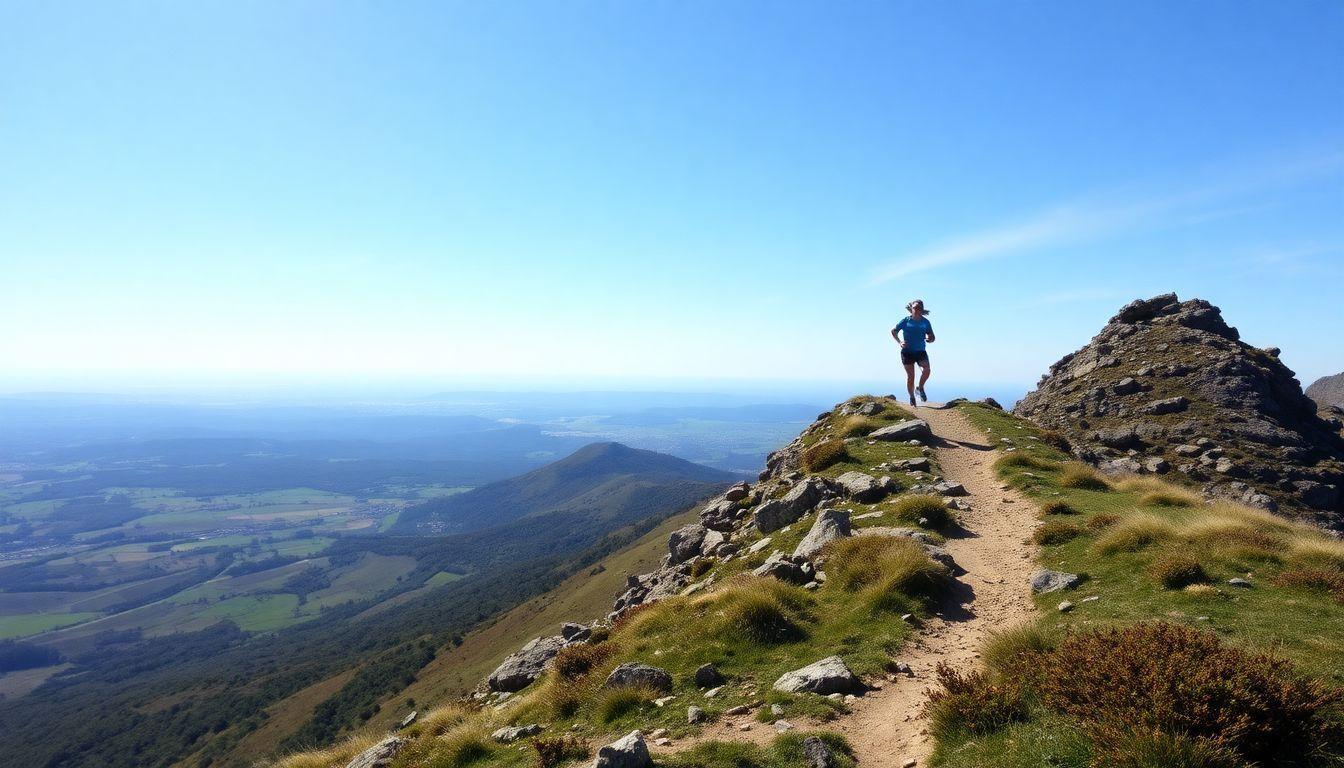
544,192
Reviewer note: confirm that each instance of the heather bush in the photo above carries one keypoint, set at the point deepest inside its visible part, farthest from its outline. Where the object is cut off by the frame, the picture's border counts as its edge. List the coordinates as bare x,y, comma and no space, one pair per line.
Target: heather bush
1101,521
576,661
1159,677
1055,532
554,751
824,454
972,702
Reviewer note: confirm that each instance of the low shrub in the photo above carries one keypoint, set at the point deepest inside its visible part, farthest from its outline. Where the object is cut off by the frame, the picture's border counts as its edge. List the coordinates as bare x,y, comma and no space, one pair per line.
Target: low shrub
1101,521
1079,475
972,702
1057,507
824,454
911,509
1326,580
1166,678
1055,532
1135,533
1022,460
1175,570
556,750
614,703
576,661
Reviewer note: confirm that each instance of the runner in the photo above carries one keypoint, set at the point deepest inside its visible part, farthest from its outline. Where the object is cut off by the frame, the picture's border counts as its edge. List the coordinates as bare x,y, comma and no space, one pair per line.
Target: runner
916,329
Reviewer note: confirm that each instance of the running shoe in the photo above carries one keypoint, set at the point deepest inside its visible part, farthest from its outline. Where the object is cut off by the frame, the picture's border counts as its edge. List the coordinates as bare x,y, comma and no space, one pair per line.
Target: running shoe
912,399
922,396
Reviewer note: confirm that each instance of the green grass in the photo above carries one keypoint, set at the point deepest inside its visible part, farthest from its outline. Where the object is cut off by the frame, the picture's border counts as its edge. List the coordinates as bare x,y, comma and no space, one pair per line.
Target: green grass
1136,568
24,624
257,613
441,578
786,751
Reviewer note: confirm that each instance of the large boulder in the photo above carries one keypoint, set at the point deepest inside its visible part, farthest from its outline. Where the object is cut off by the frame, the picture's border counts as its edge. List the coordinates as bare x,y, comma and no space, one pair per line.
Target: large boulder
519,670
861,487
802,498
830,675
912,429
629,751
830,525
632,673
380,755
684,543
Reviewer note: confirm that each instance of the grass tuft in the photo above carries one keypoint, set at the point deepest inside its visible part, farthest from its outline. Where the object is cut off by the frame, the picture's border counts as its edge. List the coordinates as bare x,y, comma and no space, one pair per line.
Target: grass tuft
858,426
612,704
1101,521
910,509
972,702
1055,532
1135,533
763,611
1057,507
1168,498
1010,651
1021,460
1326,580
1176,570
824,454
1083,477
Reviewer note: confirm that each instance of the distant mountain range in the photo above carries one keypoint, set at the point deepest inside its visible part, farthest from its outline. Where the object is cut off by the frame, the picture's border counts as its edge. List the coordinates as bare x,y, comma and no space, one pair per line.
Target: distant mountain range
602,481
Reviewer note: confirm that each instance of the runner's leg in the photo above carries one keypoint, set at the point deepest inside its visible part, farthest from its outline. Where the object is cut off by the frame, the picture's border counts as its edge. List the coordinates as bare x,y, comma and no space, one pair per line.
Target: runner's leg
924,375
910,378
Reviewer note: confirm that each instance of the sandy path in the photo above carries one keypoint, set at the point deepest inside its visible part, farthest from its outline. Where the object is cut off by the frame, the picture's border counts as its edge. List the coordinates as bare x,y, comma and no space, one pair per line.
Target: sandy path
886,727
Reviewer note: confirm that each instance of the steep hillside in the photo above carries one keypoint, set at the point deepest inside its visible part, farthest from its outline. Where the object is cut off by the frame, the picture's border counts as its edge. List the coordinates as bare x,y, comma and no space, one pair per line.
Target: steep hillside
804,617
600,480
1166,386
1328,391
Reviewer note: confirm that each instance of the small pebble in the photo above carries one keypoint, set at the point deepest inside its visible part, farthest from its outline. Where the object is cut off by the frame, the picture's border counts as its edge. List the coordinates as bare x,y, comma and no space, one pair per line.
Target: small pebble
1065,607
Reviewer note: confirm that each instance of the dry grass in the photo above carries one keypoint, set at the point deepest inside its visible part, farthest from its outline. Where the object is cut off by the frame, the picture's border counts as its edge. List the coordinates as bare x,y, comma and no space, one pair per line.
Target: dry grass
763,611
466,743
1083,477
1024,461
1318,552
1057,507
1135,533
1169,498
440,720
1055,532
337,755
1176,570
1010,651
858,426
886,571
1101,521
932,509
612,704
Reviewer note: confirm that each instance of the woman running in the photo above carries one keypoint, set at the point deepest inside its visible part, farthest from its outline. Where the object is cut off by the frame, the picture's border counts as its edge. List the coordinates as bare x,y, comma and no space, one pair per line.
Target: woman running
916,330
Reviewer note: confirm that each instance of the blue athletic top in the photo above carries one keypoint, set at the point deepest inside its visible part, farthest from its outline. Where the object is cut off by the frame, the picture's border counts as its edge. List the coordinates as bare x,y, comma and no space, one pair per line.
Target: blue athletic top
915,331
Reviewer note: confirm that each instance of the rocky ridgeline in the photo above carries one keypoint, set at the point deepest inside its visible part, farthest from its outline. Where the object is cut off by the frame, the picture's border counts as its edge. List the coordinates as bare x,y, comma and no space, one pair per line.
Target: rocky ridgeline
1328,394
1167,386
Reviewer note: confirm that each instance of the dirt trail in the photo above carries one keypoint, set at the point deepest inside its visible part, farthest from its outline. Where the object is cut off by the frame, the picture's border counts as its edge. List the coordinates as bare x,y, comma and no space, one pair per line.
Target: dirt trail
886,727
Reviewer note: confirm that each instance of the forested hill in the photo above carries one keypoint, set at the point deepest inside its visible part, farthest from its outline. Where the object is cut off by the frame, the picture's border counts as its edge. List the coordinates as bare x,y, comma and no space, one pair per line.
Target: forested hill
602,480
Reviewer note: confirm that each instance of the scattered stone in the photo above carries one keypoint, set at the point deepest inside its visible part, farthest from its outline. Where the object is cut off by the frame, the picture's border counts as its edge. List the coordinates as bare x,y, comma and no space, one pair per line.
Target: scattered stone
776,709
1052,581
408,720
380,755
574,633
758,546
783,726
740,709
632,673
737,492
684,543
694,715
629,751
1237,581
830,675
785,568
510,734
861,487
1065,607
708,676
662,702
744,727
658,733
712,692
817,754
1090,599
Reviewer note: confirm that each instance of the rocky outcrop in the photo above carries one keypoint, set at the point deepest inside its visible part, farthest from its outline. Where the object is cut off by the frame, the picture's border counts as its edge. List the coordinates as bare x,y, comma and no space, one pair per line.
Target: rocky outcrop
629,751
519,670
1167,386
1327,391
830,525
380,755
634,674
914,429
801,498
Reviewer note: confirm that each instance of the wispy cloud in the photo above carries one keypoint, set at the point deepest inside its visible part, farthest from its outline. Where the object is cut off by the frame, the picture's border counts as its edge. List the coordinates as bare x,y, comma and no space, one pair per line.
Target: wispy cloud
1092,218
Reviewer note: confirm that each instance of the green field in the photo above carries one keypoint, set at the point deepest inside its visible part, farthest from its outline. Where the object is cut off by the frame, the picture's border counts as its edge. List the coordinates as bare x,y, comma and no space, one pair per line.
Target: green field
24,624
259,613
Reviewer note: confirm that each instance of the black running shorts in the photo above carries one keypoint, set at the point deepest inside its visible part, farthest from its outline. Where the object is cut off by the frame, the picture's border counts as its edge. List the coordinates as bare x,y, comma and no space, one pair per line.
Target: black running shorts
909,357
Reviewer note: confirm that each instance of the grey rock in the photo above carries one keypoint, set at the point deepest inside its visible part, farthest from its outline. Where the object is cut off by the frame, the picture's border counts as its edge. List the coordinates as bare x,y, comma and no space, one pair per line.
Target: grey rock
737,492
1126,386
629,751
695,715
1237,581
912,429
802,498
633,673
513,733
991,402
830,525
816,754
380,755
1044,581
830,675
783,567
870,408
1167,405
861,487
519,670
684,543
574,633
408,720
708,676
1157,465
